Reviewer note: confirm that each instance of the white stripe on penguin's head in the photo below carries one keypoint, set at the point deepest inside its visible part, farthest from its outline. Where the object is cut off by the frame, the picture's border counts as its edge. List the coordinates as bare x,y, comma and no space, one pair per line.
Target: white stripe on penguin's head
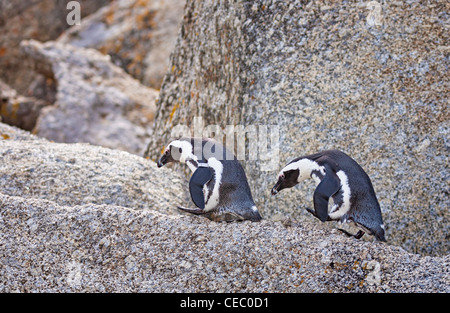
305,166
183,151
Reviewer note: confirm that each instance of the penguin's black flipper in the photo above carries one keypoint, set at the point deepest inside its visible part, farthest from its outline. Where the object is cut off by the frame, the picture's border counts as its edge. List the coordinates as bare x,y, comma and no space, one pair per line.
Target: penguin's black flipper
314,213
329,185
192,211
200,177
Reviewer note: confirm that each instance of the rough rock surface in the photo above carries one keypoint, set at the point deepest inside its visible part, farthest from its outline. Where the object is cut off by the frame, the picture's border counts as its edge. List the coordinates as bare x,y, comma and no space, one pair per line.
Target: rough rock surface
18,110
38,20
96,101
54,239
138,35
76,174
370,79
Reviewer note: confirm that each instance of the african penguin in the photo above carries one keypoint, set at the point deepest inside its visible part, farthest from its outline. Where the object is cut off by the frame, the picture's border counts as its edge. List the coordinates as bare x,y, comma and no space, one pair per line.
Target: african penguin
339,177
218,185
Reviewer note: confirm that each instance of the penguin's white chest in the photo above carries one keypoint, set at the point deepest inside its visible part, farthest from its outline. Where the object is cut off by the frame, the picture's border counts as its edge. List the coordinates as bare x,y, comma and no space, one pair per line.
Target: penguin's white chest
212,195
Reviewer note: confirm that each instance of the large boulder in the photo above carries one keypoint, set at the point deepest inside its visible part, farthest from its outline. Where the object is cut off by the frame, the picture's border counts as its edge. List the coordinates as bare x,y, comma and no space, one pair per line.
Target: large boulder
38,20
366,78
96,101
138,35
77,174
77,217
18,110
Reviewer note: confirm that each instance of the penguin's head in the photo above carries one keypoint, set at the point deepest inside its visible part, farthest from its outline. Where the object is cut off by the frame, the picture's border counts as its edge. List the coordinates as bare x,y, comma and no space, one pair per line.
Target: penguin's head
287,178
177,151
294,172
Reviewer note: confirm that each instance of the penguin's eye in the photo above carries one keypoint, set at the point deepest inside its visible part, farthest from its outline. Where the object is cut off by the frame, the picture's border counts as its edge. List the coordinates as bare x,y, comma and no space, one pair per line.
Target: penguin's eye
179,150
282,176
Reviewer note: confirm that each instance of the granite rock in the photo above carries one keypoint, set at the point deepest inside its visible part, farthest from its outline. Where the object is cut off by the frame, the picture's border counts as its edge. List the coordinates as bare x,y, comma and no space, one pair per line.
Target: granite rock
138,35
18,110
368,78
38,20
77,174
82,218
96,101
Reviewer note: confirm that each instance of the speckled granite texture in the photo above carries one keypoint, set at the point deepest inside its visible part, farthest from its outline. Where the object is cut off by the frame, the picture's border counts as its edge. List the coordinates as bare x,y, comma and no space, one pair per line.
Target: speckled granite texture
77,174
104,248
82,218
366,78
96,101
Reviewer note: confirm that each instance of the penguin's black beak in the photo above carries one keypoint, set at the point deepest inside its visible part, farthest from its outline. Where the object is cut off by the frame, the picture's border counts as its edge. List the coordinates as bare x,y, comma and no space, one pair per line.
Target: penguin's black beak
162,161
274,190
276,187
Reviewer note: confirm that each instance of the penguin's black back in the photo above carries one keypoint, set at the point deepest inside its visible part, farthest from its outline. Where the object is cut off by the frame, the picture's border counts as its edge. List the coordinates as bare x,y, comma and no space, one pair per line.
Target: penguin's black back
364,208
234,190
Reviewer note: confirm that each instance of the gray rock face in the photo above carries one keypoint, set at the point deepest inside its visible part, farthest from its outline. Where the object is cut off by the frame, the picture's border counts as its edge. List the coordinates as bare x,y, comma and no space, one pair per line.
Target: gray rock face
370,80
96,101
55,239
103,248
38,20
76,217
18,110
77,174
138,35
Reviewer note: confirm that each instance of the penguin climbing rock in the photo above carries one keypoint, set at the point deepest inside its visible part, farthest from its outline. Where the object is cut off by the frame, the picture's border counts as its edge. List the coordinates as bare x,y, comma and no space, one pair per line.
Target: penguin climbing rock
339,177
218,185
